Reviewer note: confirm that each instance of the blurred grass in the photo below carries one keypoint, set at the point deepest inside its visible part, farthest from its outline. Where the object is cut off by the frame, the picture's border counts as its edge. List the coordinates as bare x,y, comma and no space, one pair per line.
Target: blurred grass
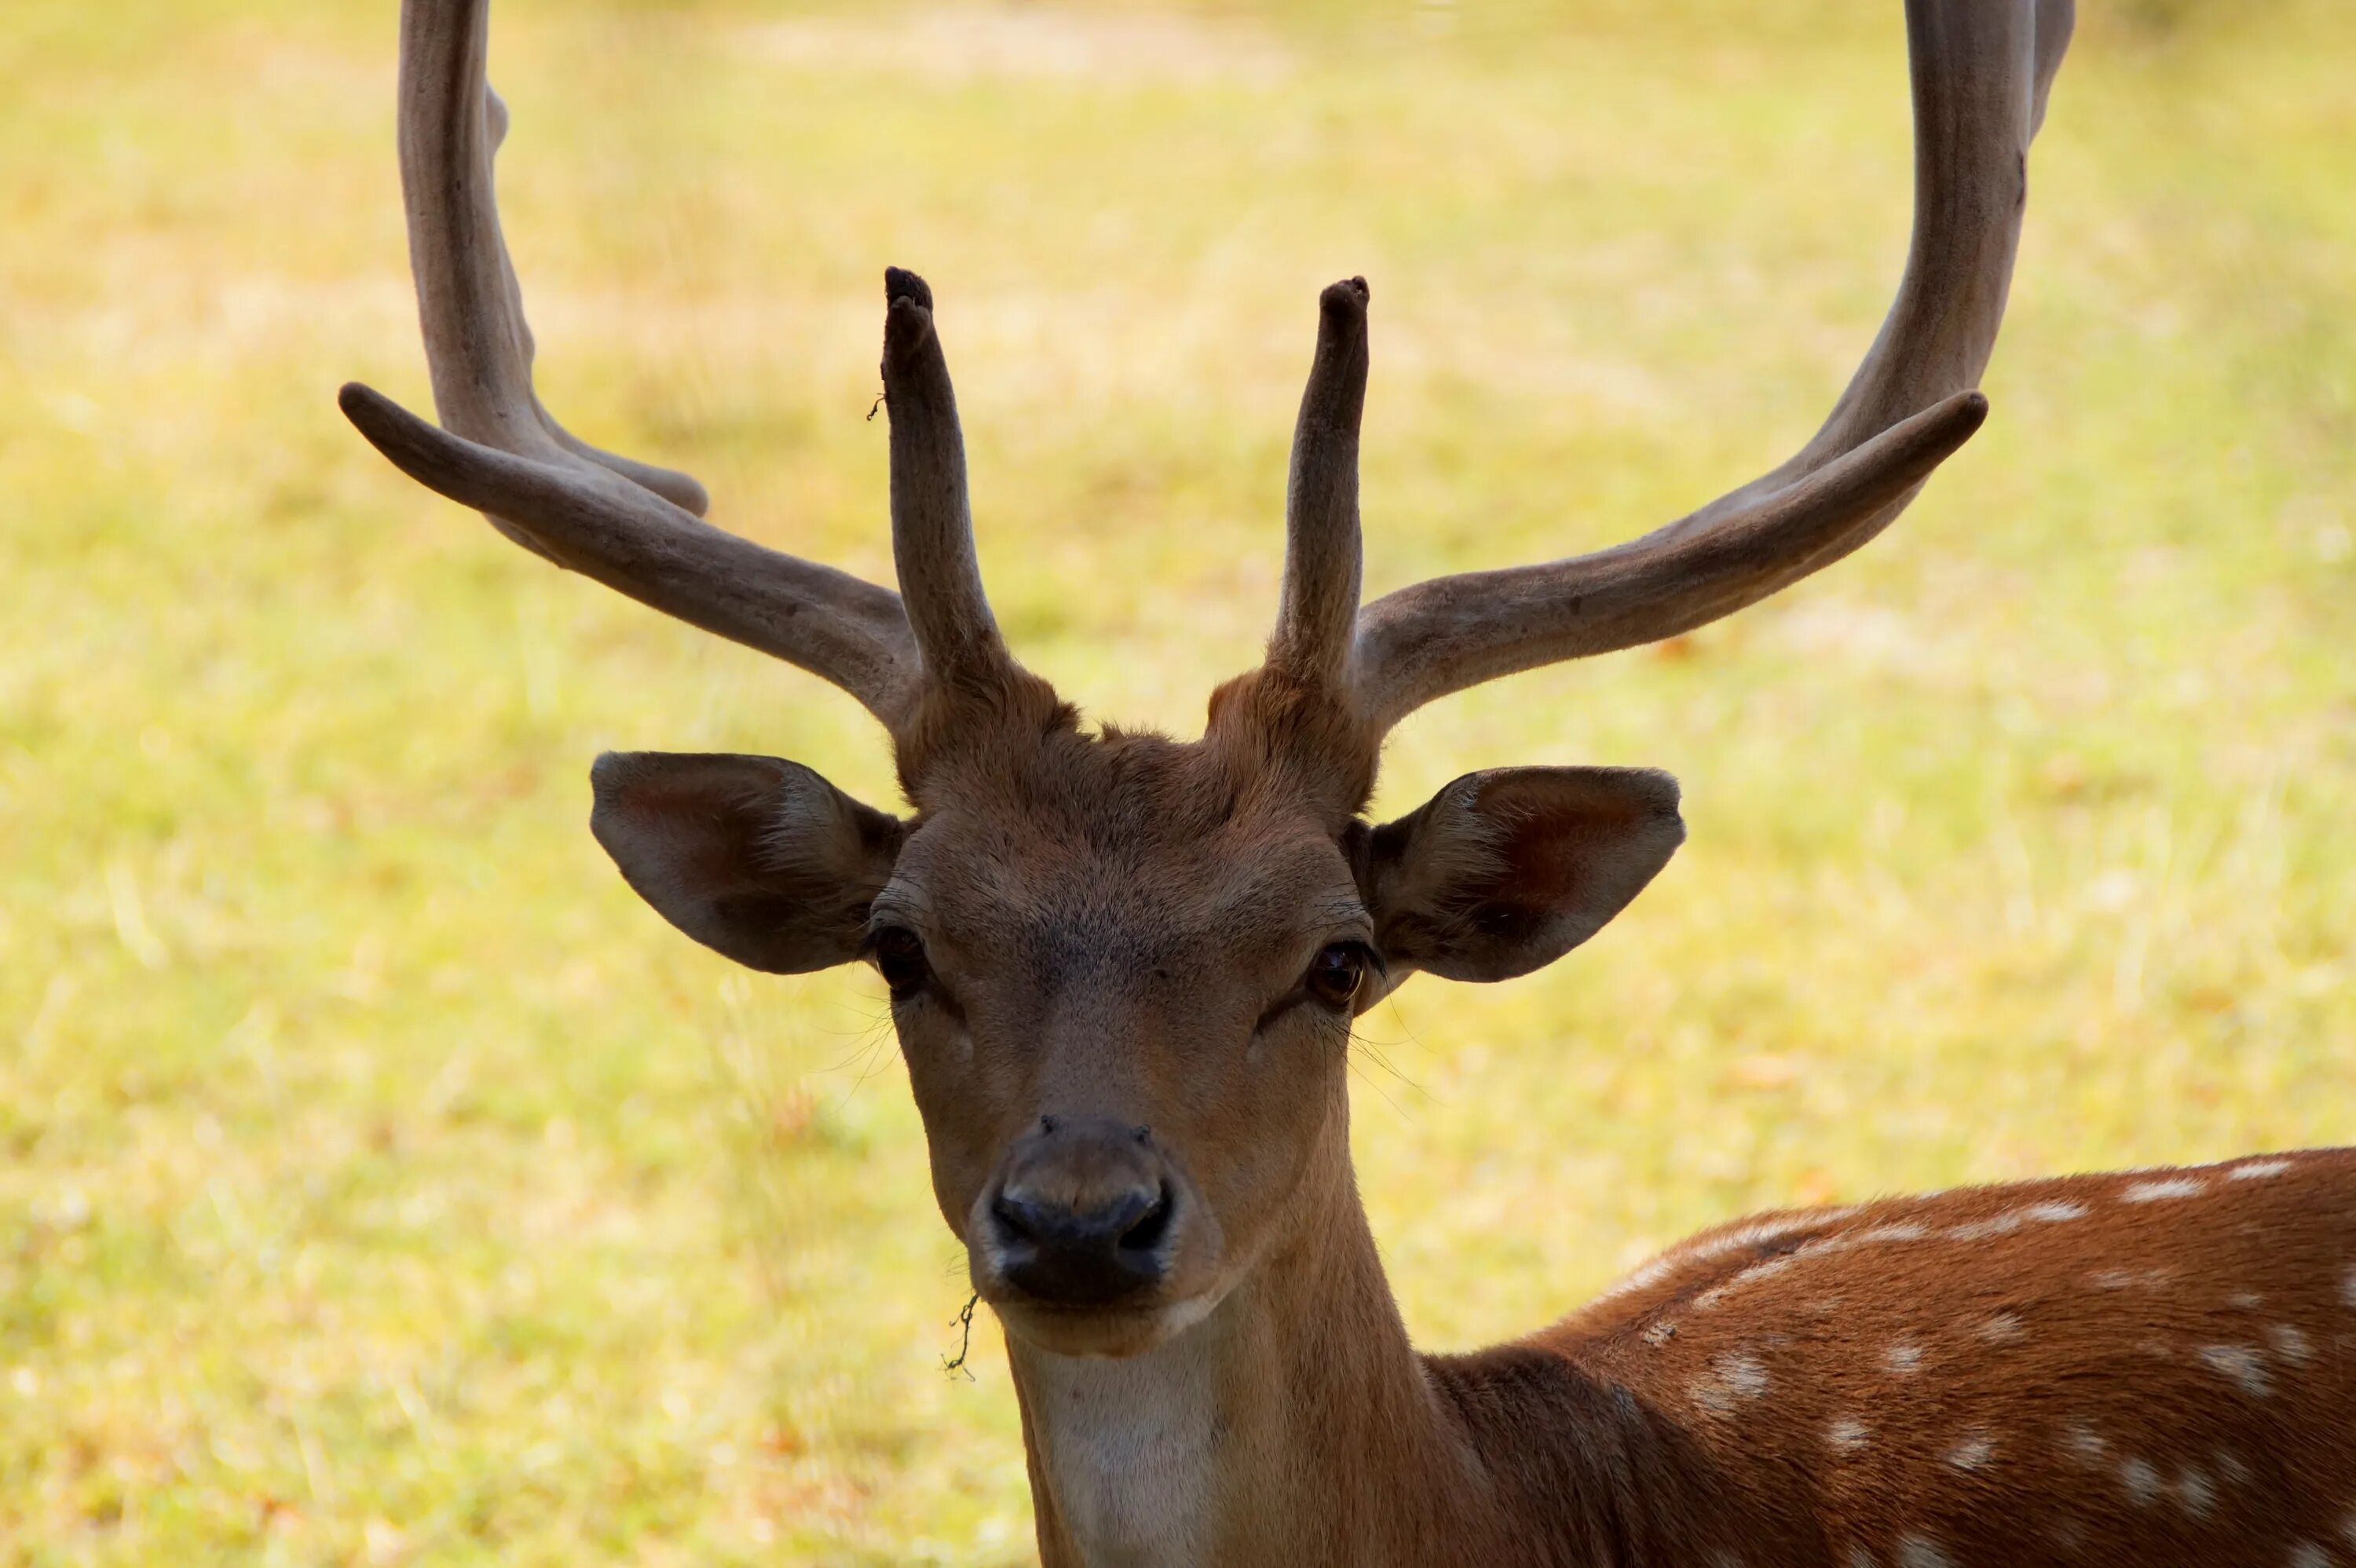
383,1183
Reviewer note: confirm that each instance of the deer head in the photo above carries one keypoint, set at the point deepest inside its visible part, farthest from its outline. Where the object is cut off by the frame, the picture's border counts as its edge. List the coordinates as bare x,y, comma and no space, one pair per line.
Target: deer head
1123,968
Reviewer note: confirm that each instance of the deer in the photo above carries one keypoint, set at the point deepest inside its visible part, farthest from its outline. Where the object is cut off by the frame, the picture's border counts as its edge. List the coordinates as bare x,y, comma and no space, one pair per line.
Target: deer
1123,970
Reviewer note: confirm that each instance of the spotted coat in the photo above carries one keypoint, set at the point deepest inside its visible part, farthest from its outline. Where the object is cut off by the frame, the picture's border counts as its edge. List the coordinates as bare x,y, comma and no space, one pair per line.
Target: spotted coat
2154,1367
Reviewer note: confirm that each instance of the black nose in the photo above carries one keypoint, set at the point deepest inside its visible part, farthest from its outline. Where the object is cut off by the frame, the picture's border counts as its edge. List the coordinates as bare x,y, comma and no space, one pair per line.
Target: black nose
1084,1213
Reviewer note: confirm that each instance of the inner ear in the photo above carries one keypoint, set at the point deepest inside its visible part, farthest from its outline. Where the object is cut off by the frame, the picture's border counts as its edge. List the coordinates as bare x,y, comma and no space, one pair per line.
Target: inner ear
756,857
1504,872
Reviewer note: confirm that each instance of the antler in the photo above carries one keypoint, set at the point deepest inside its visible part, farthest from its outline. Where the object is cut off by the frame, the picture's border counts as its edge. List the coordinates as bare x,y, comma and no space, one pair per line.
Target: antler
1981,70
1323,552
631,525
932,520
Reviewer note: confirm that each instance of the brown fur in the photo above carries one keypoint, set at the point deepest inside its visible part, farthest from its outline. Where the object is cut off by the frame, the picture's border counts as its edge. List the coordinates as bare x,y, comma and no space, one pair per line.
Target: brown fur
2151,1367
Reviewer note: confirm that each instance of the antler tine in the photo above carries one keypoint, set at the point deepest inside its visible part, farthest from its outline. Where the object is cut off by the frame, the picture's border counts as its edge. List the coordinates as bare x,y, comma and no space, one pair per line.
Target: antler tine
932,518
629,525
1321,550
1981,69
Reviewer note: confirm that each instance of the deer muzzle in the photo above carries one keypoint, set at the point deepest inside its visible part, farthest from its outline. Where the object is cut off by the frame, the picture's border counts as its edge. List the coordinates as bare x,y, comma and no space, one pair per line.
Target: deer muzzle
1087,1214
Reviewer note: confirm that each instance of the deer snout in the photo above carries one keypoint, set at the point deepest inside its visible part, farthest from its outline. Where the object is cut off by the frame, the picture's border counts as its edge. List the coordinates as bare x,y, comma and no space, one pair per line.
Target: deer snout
1086,1213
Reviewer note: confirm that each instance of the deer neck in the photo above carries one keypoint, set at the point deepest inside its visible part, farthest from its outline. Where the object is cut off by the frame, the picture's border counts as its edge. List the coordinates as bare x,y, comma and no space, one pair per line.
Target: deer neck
1294,1422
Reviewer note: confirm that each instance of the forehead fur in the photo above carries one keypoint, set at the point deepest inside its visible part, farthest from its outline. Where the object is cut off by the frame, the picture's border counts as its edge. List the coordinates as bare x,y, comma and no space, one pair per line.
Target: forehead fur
1122,840
1117,794
1274,749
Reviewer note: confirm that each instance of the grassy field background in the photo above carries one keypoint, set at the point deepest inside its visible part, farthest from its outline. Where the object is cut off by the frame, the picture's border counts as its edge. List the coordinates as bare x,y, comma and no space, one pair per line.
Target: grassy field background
380,1182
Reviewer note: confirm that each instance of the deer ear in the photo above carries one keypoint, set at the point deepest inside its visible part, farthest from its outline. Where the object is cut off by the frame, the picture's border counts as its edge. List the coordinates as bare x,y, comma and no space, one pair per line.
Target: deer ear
1503,872
755,856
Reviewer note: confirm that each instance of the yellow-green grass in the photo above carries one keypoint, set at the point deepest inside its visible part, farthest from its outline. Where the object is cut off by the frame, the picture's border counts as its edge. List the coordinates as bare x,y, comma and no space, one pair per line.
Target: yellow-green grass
380,1181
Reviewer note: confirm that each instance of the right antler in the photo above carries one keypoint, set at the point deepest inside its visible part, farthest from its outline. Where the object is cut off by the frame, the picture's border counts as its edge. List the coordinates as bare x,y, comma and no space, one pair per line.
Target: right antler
631,525
1981,69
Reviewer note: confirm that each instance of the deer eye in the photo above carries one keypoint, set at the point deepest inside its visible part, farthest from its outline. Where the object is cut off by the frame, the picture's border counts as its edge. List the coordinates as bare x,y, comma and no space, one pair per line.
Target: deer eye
899,955
1336,973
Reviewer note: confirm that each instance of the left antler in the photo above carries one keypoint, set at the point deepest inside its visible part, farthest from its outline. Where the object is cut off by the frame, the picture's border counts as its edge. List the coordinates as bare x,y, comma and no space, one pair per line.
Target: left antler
631,525
1981,69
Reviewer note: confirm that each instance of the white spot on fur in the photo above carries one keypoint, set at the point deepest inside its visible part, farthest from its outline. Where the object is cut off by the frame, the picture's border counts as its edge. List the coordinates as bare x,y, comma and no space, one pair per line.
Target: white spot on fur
1848,1434
1903,1357
2054,1213
1709,1298
2243,1363
1981,1230
2127,1278
1660,1332
2230,1465
2158,1191
1971,1452
2140,1480
2004,1329
2257,1170
2307,1554
1746,1375
1731,1379
2085,1445
1758,1271
1859,1557
1710,1396
2195,1494
2290,1344
2348,1526
1757,1230
2248,1300
2347,1286
1903,1230
1922,1551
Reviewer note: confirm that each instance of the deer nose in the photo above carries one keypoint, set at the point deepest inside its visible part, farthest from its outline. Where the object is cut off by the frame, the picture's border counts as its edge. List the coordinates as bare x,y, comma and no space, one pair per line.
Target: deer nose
1084,1215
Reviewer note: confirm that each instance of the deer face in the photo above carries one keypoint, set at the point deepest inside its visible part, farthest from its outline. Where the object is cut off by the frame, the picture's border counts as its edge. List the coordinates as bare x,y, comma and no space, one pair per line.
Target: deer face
1123,971
1124,1001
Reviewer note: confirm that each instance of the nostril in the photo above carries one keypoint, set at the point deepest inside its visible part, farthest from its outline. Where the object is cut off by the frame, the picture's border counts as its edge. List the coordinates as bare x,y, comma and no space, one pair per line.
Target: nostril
1010,1218
1150,1227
